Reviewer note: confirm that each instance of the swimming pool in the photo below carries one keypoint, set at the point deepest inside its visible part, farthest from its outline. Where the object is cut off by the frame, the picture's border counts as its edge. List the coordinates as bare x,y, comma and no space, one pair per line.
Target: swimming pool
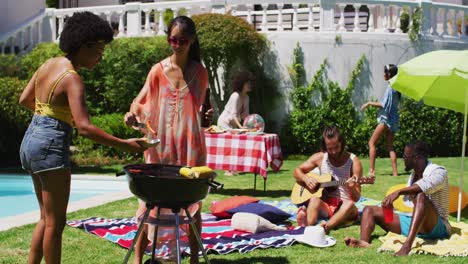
17,192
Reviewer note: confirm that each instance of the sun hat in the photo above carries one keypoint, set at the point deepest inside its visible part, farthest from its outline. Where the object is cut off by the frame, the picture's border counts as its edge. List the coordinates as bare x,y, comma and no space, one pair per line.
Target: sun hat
315,236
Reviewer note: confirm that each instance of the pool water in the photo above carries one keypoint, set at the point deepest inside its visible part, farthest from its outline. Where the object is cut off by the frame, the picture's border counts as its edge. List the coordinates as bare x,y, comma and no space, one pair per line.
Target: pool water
17,192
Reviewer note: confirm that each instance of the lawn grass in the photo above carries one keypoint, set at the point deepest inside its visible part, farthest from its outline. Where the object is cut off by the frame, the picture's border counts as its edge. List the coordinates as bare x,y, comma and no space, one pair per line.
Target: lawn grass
79,247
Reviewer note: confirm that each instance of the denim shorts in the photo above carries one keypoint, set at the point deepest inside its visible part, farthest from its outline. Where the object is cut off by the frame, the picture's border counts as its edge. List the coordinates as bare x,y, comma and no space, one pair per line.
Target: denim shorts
46,145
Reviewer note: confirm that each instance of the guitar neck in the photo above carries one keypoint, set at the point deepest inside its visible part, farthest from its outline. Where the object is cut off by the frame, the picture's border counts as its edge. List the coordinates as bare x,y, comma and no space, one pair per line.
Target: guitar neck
332,183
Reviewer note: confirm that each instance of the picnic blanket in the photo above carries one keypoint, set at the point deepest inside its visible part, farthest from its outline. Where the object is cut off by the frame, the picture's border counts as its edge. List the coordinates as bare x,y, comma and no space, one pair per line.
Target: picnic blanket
456,245
217,235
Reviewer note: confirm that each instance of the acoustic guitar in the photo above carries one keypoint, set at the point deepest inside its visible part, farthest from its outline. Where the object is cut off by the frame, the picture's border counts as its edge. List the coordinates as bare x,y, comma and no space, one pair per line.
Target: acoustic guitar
301,195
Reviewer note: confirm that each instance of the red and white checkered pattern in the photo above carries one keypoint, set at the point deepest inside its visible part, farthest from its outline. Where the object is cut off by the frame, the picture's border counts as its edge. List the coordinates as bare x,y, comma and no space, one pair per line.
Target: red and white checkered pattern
244,153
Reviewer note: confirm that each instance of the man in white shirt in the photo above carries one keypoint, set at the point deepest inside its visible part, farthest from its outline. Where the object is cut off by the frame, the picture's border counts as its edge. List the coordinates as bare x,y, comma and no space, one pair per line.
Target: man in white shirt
428,189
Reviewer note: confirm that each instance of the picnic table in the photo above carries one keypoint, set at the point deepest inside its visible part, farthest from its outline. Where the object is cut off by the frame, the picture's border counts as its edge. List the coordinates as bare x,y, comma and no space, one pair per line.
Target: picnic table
244,153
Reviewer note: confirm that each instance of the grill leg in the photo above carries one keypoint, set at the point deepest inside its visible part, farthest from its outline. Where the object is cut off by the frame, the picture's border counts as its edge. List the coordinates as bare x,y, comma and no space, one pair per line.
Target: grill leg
197,236
176,212
155,236
140,228
255,181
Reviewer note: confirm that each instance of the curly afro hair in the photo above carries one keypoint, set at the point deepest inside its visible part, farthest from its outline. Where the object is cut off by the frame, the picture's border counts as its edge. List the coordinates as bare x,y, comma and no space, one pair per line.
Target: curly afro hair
83,28
240,79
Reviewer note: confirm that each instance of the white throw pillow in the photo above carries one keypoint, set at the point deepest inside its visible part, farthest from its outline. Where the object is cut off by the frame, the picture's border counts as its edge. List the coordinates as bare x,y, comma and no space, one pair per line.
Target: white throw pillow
253,223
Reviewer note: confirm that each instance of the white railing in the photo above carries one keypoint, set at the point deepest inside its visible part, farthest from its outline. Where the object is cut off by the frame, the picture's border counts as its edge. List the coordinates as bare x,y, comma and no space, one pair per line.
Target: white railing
457,16
439,20
24,36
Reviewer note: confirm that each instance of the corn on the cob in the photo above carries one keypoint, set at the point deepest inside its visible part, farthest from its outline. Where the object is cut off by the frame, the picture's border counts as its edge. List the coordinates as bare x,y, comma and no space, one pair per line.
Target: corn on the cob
195,172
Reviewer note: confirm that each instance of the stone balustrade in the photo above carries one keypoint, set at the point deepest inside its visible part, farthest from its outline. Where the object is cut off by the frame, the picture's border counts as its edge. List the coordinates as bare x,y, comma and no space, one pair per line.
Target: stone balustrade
439,20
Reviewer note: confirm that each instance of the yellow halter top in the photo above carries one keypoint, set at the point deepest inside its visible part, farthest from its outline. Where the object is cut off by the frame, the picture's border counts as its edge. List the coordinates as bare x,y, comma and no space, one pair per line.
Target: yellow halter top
62,113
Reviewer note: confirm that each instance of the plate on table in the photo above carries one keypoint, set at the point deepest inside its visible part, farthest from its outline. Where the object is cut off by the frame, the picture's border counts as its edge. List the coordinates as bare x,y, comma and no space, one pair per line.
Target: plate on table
238,130
215,130
255,133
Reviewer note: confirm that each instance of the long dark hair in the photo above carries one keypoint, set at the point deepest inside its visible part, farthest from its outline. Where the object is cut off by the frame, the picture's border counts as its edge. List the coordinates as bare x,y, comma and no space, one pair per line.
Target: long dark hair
240,79
188,28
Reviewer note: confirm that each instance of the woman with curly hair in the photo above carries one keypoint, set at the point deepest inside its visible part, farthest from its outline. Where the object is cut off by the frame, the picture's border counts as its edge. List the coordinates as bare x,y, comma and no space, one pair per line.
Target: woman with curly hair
237,107
56,95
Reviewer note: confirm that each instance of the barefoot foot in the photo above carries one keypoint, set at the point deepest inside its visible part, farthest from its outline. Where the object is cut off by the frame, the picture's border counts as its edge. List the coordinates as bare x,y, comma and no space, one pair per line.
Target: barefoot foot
404,251
353,242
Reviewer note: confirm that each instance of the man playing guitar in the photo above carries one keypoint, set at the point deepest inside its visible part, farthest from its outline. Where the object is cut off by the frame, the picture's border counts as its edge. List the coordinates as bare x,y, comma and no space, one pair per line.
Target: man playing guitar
337,203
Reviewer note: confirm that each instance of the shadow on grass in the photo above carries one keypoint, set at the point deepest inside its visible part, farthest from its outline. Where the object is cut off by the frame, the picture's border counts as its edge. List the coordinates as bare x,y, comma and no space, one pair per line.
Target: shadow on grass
258,192
247,260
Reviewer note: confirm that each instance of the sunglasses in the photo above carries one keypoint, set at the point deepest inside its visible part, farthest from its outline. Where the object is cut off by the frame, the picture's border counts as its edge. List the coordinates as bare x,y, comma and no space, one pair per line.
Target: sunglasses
408,156
177,41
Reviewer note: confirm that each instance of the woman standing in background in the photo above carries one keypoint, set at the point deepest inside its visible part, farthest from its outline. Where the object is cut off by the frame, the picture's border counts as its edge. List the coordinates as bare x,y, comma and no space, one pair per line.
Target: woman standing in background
388,121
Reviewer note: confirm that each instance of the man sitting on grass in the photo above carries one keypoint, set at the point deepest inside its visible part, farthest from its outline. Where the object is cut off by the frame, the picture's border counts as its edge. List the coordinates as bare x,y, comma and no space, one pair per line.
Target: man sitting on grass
337,204
428,190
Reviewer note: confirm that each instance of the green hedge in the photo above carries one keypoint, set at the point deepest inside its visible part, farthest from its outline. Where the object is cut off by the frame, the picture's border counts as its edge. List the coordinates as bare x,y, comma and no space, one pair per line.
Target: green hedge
14,119
442,129
10,66
113,84
88,150
319,104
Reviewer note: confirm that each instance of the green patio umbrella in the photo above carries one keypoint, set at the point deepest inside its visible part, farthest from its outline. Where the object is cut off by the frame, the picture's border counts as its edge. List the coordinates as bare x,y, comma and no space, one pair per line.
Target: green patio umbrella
440,78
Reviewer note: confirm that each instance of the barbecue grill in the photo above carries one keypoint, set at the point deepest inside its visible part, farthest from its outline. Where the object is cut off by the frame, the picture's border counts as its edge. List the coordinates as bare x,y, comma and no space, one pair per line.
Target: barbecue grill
162,186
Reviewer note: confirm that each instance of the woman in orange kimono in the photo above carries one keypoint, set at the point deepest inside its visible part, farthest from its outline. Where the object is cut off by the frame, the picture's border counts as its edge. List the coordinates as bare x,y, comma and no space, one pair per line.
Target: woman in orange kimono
170,103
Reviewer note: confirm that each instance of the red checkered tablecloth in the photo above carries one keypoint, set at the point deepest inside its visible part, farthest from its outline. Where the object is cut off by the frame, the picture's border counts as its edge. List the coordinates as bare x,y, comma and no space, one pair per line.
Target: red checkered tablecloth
244,153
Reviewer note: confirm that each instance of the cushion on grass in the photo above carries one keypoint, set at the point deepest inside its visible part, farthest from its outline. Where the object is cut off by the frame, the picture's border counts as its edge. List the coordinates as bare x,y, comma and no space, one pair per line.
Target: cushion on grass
266,211
253,223
219,208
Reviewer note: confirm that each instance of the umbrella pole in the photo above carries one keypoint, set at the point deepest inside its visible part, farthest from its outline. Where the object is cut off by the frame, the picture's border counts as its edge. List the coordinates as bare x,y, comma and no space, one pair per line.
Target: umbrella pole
460,190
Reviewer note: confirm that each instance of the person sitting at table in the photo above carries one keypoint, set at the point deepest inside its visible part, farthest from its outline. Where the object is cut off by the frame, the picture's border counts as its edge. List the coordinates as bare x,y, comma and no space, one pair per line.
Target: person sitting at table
427,190
237,107
336,203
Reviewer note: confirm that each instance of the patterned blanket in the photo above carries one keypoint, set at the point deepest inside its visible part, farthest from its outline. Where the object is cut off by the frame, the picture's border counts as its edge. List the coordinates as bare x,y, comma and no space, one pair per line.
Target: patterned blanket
217,235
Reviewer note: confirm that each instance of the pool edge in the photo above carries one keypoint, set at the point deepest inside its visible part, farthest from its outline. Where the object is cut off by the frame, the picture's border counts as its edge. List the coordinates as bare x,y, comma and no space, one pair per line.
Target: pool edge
32,217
